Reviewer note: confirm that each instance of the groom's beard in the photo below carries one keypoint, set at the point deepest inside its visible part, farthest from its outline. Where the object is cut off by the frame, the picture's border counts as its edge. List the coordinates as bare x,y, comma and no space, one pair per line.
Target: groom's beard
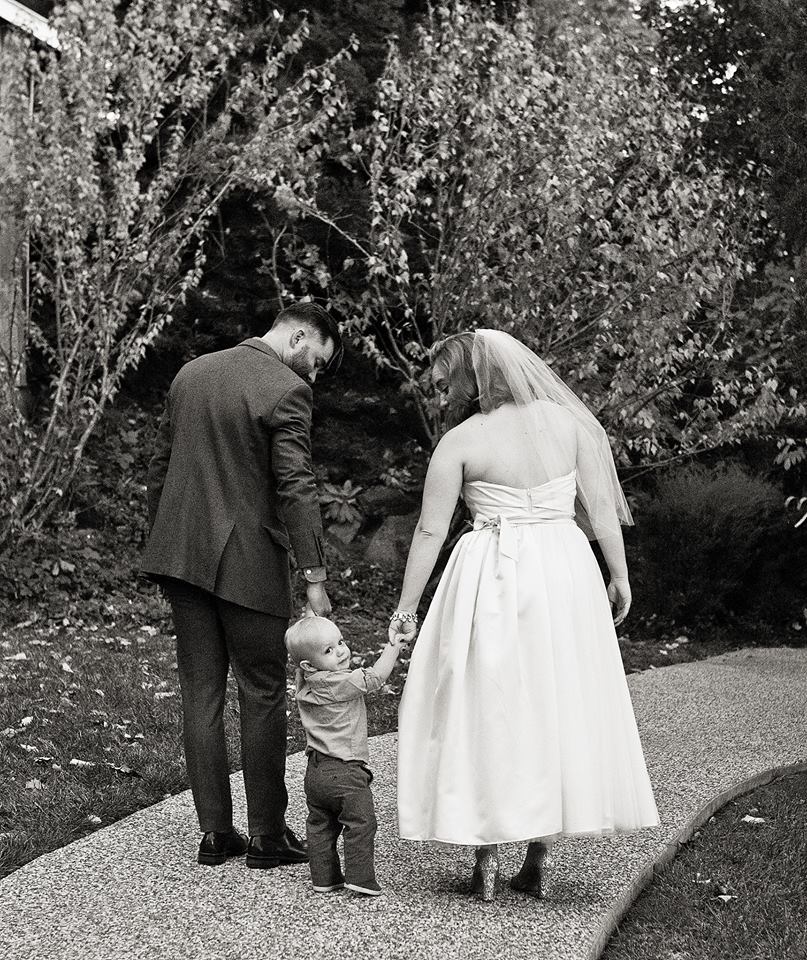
299,363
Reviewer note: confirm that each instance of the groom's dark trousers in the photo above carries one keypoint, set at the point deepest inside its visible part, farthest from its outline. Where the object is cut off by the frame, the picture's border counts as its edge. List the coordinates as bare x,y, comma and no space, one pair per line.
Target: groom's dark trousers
231,490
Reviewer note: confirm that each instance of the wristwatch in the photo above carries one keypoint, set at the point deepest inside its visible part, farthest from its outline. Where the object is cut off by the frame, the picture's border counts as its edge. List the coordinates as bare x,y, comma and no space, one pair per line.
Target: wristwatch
315,574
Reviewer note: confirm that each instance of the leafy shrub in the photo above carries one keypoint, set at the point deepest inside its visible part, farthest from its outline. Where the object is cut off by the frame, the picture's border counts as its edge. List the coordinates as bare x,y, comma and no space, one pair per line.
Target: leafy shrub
124,161
556,188
718,544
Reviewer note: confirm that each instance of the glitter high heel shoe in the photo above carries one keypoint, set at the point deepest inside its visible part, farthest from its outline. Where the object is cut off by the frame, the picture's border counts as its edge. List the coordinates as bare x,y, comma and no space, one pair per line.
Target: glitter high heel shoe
535,872
485,878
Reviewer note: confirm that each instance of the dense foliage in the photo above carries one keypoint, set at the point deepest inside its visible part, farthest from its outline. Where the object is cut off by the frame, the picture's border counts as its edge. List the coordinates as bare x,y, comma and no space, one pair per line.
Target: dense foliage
571,176
556,187
142,124
744,63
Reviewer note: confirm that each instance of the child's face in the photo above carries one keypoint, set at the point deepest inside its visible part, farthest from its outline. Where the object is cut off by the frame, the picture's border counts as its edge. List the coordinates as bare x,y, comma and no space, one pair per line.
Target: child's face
329,651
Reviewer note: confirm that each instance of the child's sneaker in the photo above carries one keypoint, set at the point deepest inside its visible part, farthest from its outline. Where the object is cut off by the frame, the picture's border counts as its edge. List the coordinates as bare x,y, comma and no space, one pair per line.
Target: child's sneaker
370,888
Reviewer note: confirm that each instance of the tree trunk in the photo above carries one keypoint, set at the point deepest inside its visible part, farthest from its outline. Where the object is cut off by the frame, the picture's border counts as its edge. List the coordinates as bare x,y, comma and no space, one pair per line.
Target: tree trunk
13,242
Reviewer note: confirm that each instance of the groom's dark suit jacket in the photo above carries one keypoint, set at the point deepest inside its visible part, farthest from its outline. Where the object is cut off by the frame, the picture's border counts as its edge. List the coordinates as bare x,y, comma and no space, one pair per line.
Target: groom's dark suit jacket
231,483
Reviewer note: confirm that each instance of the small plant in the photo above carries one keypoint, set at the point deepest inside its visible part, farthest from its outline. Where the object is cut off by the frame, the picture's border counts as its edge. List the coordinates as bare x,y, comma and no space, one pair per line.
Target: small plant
400,478
339,503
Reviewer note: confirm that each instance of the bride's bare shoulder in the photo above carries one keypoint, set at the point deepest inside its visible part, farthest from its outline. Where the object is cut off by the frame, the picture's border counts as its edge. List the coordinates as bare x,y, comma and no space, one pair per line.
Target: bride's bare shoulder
466,430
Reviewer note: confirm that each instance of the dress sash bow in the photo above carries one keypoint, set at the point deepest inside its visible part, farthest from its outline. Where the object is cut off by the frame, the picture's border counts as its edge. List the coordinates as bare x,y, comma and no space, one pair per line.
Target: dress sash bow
504,526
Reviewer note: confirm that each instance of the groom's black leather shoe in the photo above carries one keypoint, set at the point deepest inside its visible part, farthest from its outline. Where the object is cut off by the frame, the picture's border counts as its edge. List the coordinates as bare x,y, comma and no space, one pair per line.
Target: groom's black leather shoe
215,848
264,853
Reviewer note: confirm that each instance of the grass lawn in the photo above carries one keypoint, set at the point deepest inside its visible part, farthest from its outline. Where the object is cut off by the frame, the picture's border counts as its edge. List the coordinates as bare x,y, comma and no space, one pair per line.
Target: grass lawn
736,891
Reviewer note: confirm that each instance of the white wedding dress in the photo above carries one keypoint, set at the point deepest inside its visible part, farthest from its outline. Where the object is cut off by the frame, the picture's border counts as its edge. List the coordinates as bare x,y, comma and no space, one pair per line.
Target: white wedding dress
516,721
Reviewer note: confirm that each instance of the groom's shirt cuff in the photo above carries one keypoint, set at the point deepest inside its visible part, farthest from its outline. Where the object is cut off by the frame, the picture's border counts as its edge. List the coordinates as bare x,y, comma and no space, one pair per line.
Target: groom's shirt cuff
315,574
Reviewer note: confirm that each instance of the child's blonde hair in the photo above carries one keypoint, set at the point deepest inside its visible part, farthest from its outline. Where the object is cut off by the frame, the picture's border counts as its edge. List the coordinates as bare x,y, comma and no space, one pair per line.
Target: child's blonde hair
301,635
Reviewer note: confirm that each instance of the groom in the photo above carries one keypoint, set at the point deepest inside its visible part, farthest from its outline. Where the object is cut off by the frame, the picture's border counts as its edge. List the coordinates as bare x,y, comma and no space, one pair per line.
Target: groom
230,491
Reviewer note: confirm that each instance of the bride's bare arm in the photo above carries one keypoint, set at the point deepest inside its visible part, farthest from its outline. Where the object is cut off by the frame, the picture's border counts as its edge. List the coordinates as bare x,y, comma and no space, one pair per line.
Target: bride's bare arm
607,531
440,494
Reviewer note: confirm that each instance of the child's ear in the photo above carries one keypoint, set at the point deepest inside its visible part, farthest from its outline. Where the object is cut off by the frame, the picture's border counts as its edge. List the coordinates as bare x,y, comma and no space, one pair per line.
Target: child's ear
305,664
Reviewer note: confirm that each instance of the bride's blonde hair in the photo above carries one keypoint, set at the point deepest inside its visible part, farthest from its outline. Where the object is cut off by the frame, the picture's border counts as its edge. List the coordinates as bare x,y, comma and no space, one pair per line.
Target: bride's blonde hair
456,354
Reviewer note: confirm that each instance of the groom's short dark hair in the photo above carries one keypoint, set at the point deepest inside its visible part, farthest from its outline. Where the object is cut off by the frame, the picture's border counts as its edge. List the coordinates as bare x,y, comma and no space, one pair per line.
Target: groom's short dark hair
313,315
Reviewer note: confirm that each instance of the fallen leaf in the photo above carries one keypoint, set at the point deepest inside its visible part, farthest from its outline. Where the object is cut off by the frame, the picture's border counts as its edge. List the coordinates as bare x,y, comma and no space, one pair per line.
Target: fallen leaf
81,763
26,721
66,667
17,656
34,785
725,897
755,821
43,760
93,819
162,694
151,631
126,771
26,623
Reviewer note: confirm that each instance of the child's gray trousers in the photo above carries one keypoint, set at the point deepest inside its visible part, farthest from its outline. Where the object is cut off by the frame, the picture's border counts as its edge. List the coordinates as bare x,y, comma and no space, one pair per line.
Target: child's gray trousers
339,800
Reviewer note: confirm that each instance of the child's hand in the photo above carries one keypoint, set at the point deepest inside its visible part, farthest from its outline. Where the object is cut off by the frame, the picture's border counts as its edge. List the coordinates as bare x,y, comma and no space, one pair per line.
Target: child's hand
404,633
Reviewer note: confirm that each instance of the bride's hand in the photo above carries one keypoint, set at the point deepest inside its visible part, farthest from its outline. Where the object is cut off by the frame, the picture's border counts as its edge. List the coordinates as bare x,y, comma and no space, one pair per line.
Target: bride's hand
400,632
620,597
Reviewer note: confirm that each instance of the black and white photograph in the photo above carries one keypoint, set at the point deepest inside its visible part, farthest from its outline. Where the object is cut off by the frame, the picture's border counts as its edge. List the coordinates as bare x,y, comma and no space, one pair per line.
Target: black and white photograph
403,479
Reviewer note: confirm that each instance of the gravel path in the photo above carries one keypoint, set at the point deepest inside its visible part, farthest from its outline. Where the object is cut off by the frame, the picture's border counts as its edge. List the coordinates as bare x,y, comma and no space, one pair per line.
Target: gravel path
134,890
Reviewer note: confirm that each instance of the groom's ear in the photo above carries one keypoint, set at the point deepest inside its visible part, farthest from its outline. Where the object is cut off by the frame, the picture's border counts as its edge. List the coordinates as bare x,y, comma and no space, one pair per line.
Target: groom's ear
296,336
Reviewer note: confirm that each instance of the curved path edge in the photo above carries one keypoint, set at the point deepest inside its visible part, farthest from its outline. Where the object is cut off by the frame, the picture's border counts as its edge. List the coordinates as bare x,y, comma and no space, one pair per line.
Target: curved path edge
622,904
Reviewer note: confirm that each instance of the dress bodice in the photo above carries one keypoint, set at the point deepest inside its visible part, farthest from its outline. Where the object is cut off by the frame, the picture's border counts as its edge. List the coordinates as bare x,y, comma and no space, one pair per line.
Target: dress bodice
553,500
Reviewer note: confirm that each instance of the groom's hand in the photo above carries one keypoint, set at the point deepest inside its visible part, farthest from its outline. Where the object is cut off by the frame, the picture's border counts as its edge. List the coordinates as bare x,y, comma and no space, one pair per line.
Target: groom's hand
318,599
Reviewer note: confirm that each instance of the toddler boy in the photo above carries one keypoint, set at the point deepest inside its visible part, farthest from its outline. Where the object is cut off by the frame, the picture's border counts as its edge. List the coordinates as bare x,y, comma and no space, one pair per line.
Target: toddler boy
330,698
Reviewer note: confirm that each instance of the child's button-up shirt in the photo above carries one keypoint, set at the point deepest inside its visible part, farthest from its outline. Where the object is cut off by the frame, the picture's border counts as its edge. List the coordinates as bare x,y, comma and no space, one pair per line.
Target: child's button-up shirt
332,710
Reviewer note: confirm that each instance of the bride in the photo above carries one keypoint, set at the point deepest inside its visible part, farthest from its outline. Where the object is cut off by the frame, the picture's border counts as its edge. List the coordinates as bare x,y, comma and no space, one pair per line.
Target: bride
516,723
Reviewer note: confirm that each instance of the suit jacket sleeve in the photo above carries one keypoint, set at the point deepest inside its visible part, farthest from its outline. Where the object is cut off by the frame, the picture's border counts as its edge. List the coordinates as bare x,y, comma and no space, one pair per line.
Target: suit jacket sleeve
296,486
158,465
